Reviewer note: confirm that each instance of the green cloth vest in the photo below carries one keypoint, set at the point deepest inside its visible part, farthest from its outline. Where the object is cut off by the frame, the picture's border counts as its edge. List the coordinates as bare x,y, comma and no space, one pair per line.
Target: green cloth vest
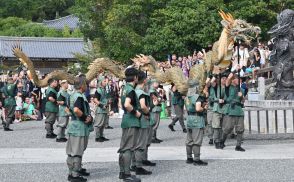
129,120
233,101
76,127
10,95
50,106
103,100
61,111
144,123
197,120
155,108
177,99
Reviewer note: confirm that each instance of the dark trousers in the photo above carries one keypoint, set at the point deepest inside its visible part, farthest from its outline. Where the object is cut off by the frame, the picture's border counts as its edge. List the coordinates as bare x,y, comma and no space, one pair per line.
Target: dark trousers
10,115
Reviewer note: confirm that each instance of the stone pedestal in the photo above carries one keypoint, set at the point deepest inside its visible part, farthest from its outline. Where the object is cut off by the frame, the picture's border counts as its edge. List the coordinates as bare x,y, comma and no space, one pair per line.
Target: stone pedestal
260,93
261,88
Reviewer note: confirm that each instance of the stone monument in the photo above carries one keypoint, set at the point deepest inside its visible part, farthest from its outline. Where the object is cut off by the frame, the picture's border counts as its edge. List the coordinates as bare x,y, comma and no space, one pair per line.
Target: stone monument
276,113
282,56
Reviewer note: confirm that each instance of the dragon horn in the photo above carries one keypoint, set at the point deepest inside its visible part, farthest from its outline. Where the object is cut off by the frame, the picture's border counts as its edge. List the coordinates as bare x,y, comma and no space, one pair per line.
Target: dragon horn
222,14
230,17
226,16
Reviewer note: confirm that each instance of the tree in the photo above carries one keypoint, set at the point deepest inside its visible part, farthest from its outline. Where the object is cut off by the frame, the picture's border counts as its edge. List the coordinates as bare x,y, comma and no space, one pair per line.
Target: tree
35,10
66,31
262,13
27,9
123,29
58,8
11,22
13,26
77,33
118,27
91,14
181,27
51,32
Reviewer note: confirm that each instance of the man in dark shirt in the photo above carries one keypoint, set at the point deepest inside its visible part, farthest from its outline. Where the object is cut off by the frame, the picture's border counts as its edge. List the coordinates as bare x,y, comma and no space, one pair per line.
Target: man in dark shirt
51,108
63,114
9,103
78,132
130,125
113,92
101,114
178,103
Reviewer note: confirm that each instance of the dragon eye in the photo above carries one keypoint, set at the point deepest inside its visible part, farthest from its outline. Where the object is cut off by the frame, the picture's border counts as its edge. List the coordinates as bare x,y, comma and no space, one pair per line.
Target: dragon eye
242,26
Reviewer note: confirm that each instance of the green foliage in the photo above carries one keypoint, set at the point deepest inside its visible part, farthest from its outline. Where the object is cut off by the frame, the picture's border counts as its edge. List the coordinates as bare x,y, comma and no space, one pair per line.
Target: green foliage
180,27
77,33
124,23
66,32
118,27
27,9
11,22
35,10
91,14
262,13
123,29
13,26
51,32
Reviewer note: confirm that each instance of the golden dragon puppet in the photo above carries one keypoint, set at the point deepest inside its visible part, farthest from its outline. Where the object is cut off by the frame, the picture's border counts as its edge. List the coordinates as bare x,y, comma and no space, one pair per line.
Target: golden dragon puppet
215,61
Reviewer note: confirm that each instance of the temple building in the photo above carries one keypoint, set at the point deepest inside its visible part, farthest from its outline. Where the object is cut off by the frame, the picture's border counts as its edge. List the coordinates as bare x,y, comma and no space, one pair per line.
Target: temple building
71,21
46,53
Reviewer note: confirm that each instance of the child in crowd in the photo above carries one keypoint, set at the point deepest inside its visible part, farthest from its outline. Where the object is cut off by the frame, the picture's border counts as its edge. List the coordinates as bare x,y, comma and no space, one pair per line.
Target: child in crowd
18,108
92,106
29,110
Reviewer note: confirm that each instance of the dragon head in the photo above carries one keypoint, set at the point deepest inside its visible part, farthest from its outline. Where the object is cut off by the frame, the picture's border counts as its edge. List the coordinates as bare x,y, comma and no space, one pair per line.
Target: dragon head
239,29
145,63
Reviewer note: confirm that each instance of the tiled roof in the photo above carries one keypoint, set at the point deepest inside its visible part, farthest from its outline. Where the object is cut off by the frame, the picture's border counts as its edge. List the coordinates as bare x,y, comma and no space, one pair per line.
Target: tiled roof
71,21
41,47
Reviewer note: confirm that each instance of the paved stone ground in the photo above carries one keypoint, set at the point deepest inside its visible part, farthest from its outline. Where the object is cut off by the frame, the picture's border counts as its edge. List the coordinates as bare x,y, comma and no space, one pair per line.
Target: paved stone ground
166,171
25,155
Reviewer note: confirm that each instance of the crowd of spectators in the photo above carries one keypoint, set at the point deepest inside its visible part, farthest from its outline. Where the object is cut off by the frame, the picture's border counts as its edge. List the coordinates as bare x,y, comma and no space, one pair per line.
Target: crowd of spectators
184,62
28,97
251,59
